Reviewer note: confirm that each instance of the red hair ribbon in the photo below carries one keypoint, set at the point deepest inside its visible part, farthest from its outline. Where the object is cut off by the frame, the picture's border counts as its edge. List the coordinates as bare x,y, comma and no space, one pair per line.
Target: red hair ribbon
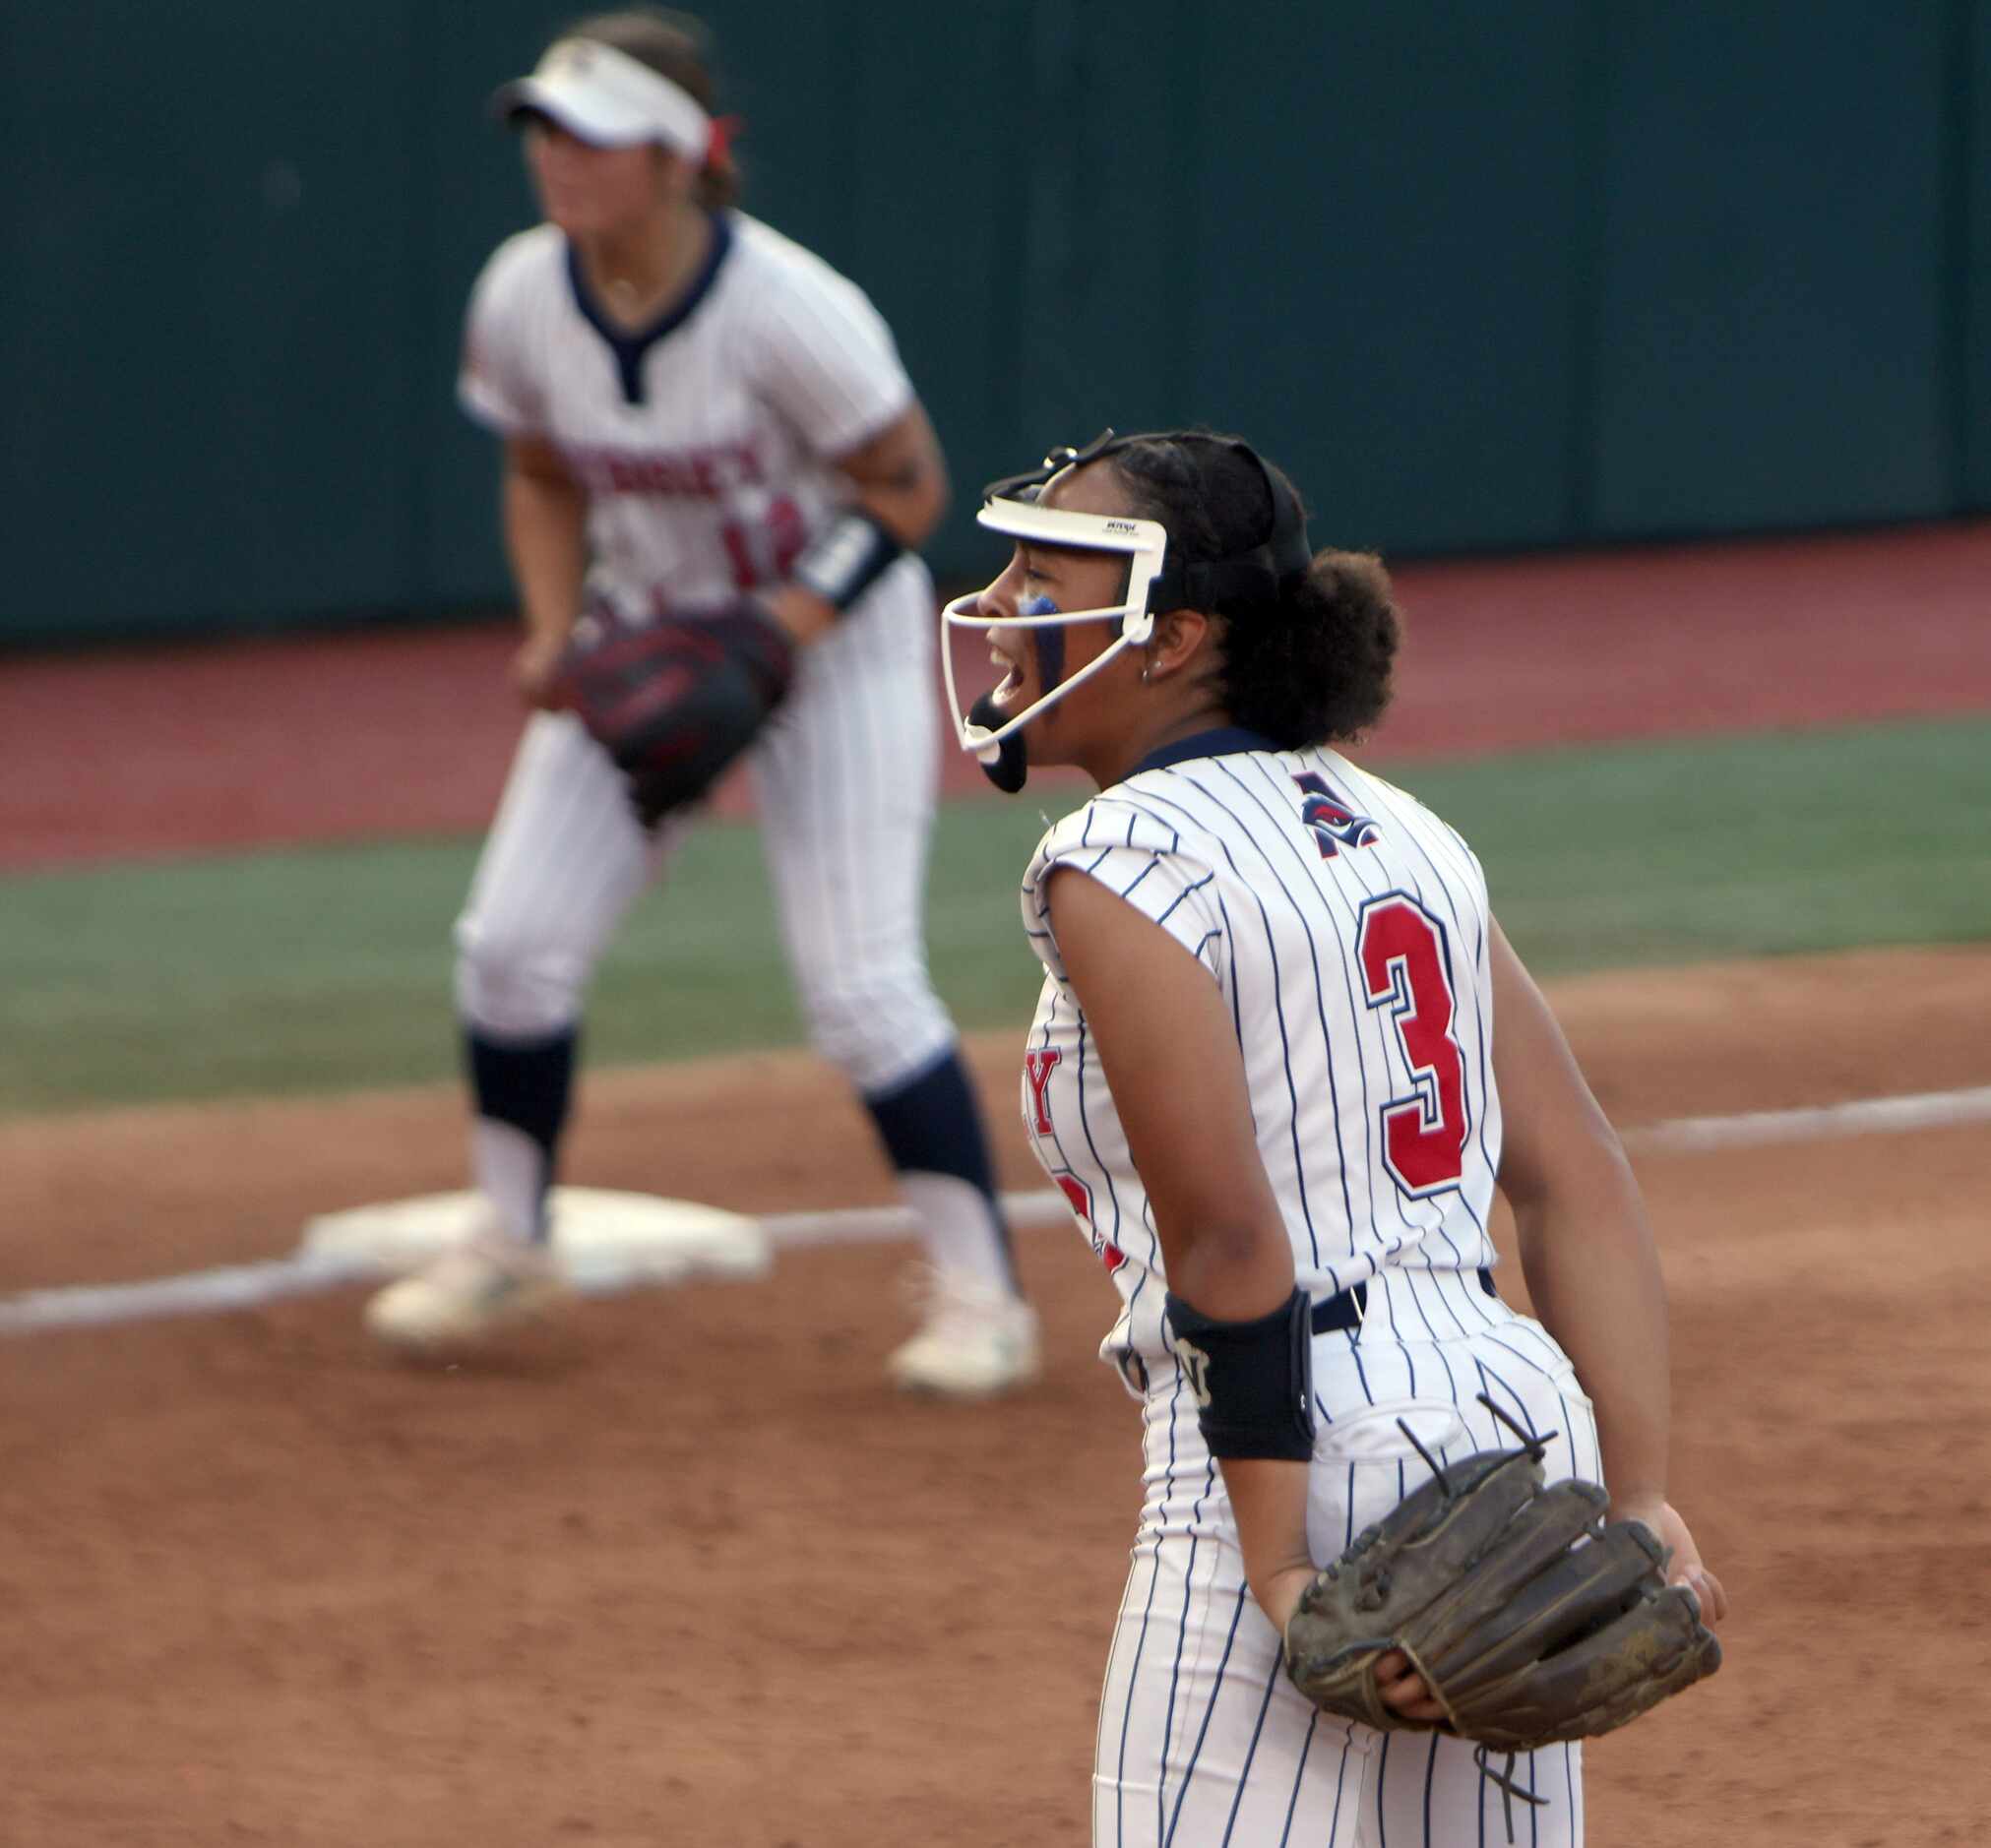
719,147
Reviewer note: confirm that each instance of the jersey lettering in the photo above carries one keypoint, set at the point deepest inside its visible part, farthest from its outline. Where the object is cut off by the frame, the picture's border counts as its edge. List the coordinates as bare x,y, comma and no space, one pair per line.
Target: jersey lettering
1334,824
1037,1068
1079,1197
1405,968
707,473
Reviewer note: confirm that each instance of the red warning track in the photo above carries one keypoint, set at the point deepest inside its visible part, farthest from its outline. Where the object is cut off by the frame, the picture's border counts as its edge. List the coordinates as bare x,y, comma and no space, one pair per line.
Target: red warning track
217,746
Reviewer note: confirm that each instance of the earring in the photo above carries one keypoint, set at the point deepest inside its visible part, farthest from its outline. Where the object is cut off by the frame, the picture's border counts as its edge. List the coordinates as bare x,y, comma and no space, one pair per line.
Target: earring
1144,666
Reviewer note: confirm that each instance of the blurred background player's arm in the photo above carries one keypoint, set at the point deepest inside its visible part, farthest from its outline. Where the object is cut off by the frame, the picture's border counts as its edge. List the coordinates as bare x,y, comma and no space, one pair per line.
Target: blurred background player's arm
545,518
1586,1251
901,479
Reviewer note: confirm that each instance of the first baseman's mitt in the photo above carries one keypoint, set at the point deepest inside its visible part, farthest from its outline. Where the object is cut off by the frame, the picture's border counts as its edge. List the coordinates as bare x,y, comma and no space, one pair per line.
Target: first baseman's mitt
1530,1619
677,700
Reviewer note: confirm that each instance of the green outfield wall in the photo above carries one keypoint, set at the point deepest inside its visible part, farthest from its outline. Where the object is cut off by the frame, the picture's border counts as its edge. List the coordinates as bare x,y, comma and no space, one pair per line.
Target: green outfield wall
1483,275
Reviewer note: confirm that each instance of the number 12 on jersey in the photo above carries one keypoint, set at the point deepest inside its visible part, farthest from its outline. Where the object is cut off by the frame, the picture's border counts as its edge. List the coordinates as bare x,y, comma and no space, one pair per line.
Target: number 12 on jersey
1405,968
766,553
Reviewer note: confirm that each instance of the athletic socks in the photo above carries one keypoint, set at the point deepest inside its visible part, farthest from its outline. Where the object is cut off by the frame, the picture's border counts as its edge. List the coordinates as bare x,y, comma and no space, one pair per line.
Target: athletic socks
931,1128
523,1089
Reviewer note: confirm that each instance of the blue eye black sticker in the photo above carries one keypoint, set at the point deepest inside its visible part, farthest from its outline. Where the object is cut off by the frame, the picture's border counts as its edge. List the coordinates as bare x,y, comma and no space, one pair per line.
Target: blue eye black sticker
1050,640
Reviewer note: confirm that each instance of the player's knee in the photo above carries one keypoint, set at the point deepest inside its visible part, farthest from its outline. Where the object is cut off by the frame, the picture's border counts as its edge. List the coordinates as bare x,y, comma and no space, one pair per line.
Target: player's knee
510,984
877,1037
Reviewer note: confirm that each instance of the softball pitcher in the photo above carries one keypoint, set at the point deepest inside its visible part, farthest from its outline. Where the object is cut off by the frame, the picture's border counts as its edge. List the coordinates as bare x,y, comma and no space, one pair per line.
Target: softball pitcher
695,410
1264,1072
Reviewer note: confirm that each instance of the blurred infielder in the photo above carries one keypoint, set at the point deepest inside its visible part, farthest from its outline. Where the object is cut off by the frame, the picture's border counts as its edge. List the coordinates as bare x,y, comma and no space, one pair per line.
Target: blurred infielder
698,416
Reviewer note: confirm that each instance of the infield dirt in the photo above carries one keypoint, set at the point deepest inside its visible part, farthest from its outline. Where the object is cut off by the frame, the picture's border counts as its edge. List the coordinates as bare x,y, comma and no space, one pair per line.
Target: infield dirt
681,1570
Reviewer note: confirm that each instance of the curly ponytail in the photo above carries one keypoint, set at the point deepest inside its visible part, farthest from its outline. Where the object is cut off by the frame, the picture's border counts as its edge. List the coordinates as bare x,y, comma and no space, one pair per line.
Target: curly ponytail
1320,673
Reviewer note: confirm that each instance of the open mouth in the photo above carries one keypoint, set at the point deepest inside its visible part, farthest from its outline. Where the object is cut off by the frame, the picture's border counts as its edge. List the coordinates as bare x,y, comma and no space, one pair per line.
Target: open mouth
1012,682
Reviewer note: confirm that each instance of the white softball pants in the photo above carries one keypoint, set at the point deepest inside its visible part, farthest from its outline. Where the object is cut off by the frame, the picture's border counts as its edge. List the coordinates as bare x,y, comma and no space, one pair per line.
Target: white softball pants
843,779
1202,1740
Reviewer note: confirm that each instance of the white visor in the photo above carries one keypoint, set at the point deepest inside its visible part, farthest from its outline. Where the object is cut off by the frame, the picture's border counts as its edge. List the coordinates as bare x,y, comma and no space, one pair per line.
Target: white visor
609,100
1144,541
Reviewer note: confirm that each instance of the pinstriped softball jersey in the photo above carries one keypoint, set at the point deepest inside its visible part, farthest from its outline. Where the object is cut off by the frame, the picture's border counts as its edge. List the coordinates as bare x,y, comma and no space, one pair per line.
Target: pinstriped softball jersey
705,443
706,446
1347,929
1345,925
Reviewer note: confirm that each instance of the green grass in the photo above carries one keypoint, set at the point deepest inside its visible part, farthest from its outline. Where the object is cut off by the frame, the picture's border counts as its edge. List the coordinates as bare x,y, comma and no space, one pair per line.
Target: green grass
330,969
1765,845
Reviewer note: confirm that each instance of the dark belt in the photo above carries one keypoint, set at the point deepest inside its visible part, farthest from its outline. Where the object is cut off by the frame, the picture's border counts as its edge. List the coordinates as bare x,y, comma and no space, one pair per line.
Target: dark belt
1347,1310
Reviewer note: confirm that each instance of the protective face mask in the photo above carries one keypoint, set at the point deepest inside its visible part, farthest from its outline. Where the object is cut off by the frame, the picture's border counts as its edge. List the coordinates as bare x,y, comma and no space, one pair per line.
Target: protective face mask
1012,767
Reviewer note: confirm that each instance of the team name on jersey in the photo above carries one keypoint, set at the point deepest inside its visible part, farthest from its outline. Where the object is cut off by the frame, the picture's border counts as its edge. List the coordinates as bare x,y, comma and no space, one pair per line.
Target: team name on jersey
709,472
1037,1068
1038,1064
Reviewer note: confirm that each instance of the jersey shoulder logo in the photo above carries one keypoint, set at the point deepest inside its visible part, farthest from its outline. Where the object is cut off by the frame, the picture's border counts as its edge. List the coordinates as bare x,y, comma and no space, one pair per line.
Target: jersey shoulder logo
1334,824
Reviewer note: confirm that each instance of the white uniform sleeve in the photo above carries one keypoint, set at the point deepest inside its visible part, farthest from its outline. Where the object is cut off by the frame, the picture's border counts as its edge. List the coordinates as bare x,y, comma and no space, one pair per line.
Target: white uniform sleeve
826,360
495,384
1164,874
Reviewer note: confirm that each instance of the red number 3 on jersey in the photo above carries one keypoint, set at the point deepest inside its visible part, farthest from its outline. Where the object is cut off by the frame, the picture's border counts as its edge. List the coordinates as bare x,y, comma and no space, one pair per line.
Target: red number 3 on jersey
1401,947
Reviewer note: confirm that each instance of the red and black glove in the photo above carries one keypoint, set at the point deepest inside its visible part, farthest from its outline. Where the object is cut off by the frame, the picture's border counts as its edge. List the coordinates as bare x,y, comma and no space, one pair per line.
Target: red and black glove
675,701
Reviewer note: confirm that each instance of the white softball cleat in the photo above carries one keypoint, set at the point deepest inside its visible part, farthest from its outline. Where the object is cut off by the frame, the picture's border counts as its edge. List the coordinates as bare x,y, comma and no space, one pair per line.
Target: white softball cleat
466,1295
977,1341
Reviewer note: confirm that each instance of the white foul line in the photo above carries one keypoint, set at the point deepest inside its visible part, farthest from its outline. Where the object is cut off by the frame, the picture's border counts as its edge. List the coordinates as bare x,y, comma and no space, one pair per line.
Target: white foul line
866,1225
1874,1116
196,1292
1871,1116
245,1287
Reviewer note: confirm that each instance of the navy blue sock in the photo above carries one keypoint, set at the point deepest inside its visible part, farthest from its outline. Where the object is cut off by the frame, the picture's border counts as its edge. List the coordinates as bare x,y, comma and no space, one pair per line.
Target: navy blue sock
527,1084
932,1125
